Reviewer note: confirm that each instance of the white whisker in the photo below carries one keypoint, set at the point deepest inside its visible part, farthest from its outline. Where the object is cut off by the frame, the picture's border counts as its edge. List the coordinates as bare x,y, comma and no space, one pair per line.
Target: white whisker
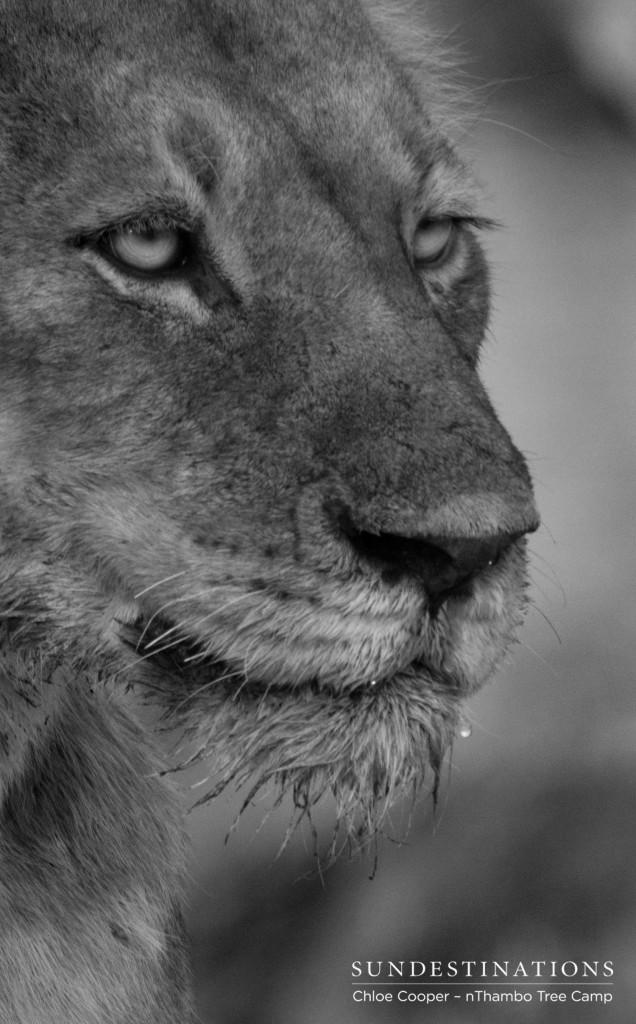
178,600
159,583
162,636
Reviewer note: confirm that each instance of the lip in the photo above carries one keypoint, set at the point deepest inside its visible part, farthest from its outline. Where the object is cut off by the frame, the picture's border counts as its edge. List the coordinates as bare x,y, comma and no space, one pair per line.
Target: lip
157,643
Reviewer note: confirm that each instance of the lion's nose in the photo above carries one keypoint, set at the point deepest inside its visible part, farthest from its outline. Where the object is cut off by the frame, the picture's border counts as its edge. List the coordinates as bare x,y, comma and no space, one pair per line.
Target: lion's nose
443,565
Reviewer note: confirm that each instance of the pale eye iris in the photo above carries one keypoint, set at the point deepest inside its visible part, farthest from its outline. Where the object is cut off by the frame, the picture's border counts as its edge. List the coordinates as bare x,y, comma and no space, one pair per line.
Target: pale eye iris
433,239
146,249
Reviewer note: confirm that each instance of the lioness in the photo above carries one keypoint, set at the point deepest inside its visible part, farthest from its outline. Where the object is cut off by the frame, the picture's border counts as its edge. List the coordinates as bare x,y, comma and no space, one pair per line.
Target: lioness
247,466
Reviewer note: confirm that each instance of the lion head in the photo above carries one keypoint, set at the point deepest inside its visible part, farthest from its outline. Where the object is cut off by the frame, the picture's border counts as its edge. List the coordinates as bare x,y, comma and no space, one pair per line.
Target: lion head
246,459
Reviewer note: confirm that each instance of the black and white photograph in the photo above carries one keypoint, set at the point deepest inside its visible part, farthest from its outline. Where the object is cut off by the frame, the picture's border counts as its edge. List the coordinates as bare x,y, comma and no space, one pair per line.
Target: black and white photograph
317,491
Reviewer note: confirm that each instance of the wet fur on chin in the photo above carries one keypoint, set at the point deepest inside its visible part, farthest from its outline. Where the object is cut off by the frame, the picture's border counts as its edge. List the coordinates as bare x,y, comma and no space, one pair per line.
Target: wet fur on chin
367,747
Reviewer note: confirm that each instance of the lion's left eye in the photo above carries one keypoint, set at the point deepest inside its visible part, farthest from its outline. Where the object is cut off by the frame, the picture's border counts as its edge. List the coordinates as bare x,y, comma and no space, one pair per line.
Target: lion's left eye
146,249
434,240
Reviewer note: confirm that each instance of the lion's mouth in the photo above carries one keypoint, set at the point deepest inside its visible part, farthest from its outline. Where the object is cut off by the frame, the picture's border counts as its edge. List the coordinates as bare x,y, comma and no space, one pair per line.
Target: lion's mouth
157,643
352,638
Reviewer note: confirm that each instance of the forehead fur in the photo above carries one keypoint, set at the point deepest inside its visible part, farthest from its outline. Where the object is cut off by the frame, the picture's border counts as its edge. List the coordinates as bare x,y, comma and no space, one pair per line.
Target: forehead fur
319,53
184,32
186,74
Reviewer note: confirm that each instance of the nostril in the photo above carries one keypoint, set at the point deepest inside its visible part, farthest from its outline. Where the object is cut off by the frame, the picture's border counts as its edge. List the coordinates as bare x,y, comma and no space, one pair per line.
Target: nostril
442,564
468,555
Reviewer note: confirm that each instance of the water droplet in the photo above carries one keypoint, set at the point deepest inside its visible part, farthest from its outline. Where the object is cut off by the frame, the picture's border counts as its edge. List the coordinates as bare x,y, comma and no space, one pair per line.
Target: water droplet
465,729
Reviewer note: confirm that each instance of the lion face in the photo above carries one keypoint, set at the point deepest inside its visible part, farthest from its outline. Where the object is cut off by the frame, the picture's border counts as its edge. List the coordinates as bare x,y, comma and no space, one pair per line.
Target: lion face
246,459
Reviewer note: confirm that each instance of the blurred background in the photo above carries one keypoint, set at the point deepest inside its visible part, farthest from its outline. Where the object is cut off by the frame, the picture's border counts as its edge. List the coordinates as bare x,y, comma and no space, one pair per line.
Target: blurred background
532,851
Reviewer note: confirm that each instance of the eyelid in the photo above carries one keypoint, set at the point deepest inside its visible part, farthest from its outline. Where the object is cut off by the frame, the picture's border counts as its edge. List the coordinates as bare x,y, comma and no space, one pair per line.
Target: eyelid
171,213
459,211
471,220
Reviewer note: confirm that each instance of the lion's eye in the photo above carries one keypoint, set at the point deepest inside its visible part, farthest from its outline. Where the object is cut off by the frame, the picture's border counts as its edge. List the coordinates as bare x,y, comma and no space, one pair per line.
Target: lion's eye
147,249
433,240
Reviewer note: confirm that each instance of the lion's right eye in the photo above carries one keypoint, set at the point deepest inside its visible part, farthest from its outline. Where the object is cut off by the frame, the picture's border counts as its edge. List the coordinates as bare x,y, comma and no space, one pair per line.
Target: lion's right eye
433,241
146,249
